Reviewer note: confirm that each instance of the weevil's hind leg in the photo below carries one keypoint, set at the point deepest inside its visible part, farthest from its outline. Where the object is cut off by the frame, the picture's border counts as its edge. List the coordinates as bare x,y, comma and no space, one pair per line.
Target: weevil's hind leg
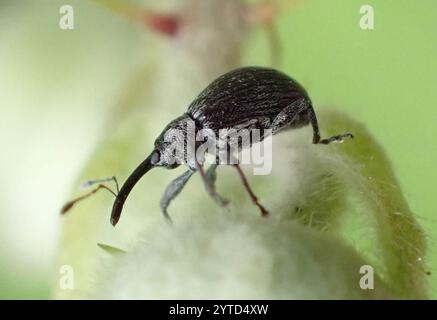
209,182
264,211
316,132
299,113
337,138
172,190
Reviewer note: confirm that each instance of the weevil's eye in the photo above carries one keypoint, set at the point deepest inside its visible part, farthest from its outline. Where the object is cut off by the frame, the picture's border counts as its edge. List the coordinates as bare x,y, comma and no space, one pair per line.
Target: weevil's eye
154,159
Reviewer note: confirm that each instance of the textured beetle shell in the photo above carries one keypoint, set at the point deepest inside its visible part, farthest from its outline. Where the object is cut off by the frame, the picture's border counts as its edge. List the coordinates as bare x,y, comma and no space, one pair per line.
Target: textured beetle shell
252,97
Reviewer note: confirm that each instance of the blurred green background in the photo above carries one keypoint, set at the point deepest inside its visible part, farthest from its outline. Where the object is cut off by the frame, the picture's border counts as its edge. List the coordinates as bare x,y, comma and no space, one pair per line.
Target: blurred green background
58,86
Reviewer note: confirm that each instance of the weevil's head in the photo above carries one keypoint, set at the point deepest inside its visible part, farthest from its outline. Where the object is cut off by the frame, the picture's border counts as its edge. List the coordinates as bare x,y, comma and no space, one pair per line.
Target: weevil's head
170,151
176,144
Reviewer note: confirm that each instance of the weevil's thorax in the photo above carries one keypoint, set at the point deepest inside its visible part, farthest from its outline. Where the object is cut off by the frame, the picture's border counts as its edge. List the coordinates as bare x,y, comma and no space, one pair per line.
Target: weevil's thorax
176,143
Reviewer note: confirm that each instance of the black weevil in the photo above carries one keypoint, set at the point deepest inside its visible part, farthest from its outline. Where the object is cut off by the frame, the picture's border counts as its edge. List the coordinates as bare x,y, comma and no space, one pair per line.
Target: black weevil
254,97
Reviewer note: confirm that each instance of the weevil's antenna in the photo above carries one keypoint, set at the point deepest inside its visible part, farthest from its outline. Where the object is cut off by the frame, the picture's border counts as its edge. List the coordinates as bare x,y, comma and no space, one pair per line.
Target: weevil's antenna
131,181
89,183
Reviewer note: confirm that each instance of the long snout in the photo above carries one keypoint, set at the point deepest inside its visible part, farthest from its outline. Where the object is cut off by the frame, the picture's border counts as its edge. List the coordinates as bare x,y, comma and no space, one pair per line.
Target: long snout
127,187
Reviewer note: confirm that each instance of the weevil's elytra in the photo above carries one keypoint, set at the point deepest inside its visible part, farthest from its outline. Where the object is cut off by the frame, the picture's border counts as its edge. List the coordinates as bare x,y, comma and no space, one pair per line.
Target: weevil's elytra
247,94
249,97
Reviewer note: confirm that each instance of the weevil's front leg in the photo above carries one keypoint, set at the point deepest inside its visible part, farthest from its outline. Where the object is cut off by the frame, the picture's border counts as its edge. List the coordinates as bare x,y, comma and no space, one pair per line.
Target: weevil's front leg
173,189
209,182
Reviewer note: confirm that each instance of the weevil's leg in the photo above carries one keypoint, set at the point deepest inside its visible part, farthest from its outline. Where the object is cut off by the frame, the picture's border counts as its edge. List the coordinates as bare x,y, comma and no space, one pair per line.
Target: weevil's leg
209,182
211,175
255,201
172,190
316,131
337,138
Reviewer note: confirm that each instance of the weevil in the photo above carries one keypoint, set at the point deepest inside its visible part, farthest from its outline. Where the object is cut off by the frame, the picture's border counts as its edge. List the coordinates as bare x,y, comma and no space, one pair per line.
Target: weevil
248,97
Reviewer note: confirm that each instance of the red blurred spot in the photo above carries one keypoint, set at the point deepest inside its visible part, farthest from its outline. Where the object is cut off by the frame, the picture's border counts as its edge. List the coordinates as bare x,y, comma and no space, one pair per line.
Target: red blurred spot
166,24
